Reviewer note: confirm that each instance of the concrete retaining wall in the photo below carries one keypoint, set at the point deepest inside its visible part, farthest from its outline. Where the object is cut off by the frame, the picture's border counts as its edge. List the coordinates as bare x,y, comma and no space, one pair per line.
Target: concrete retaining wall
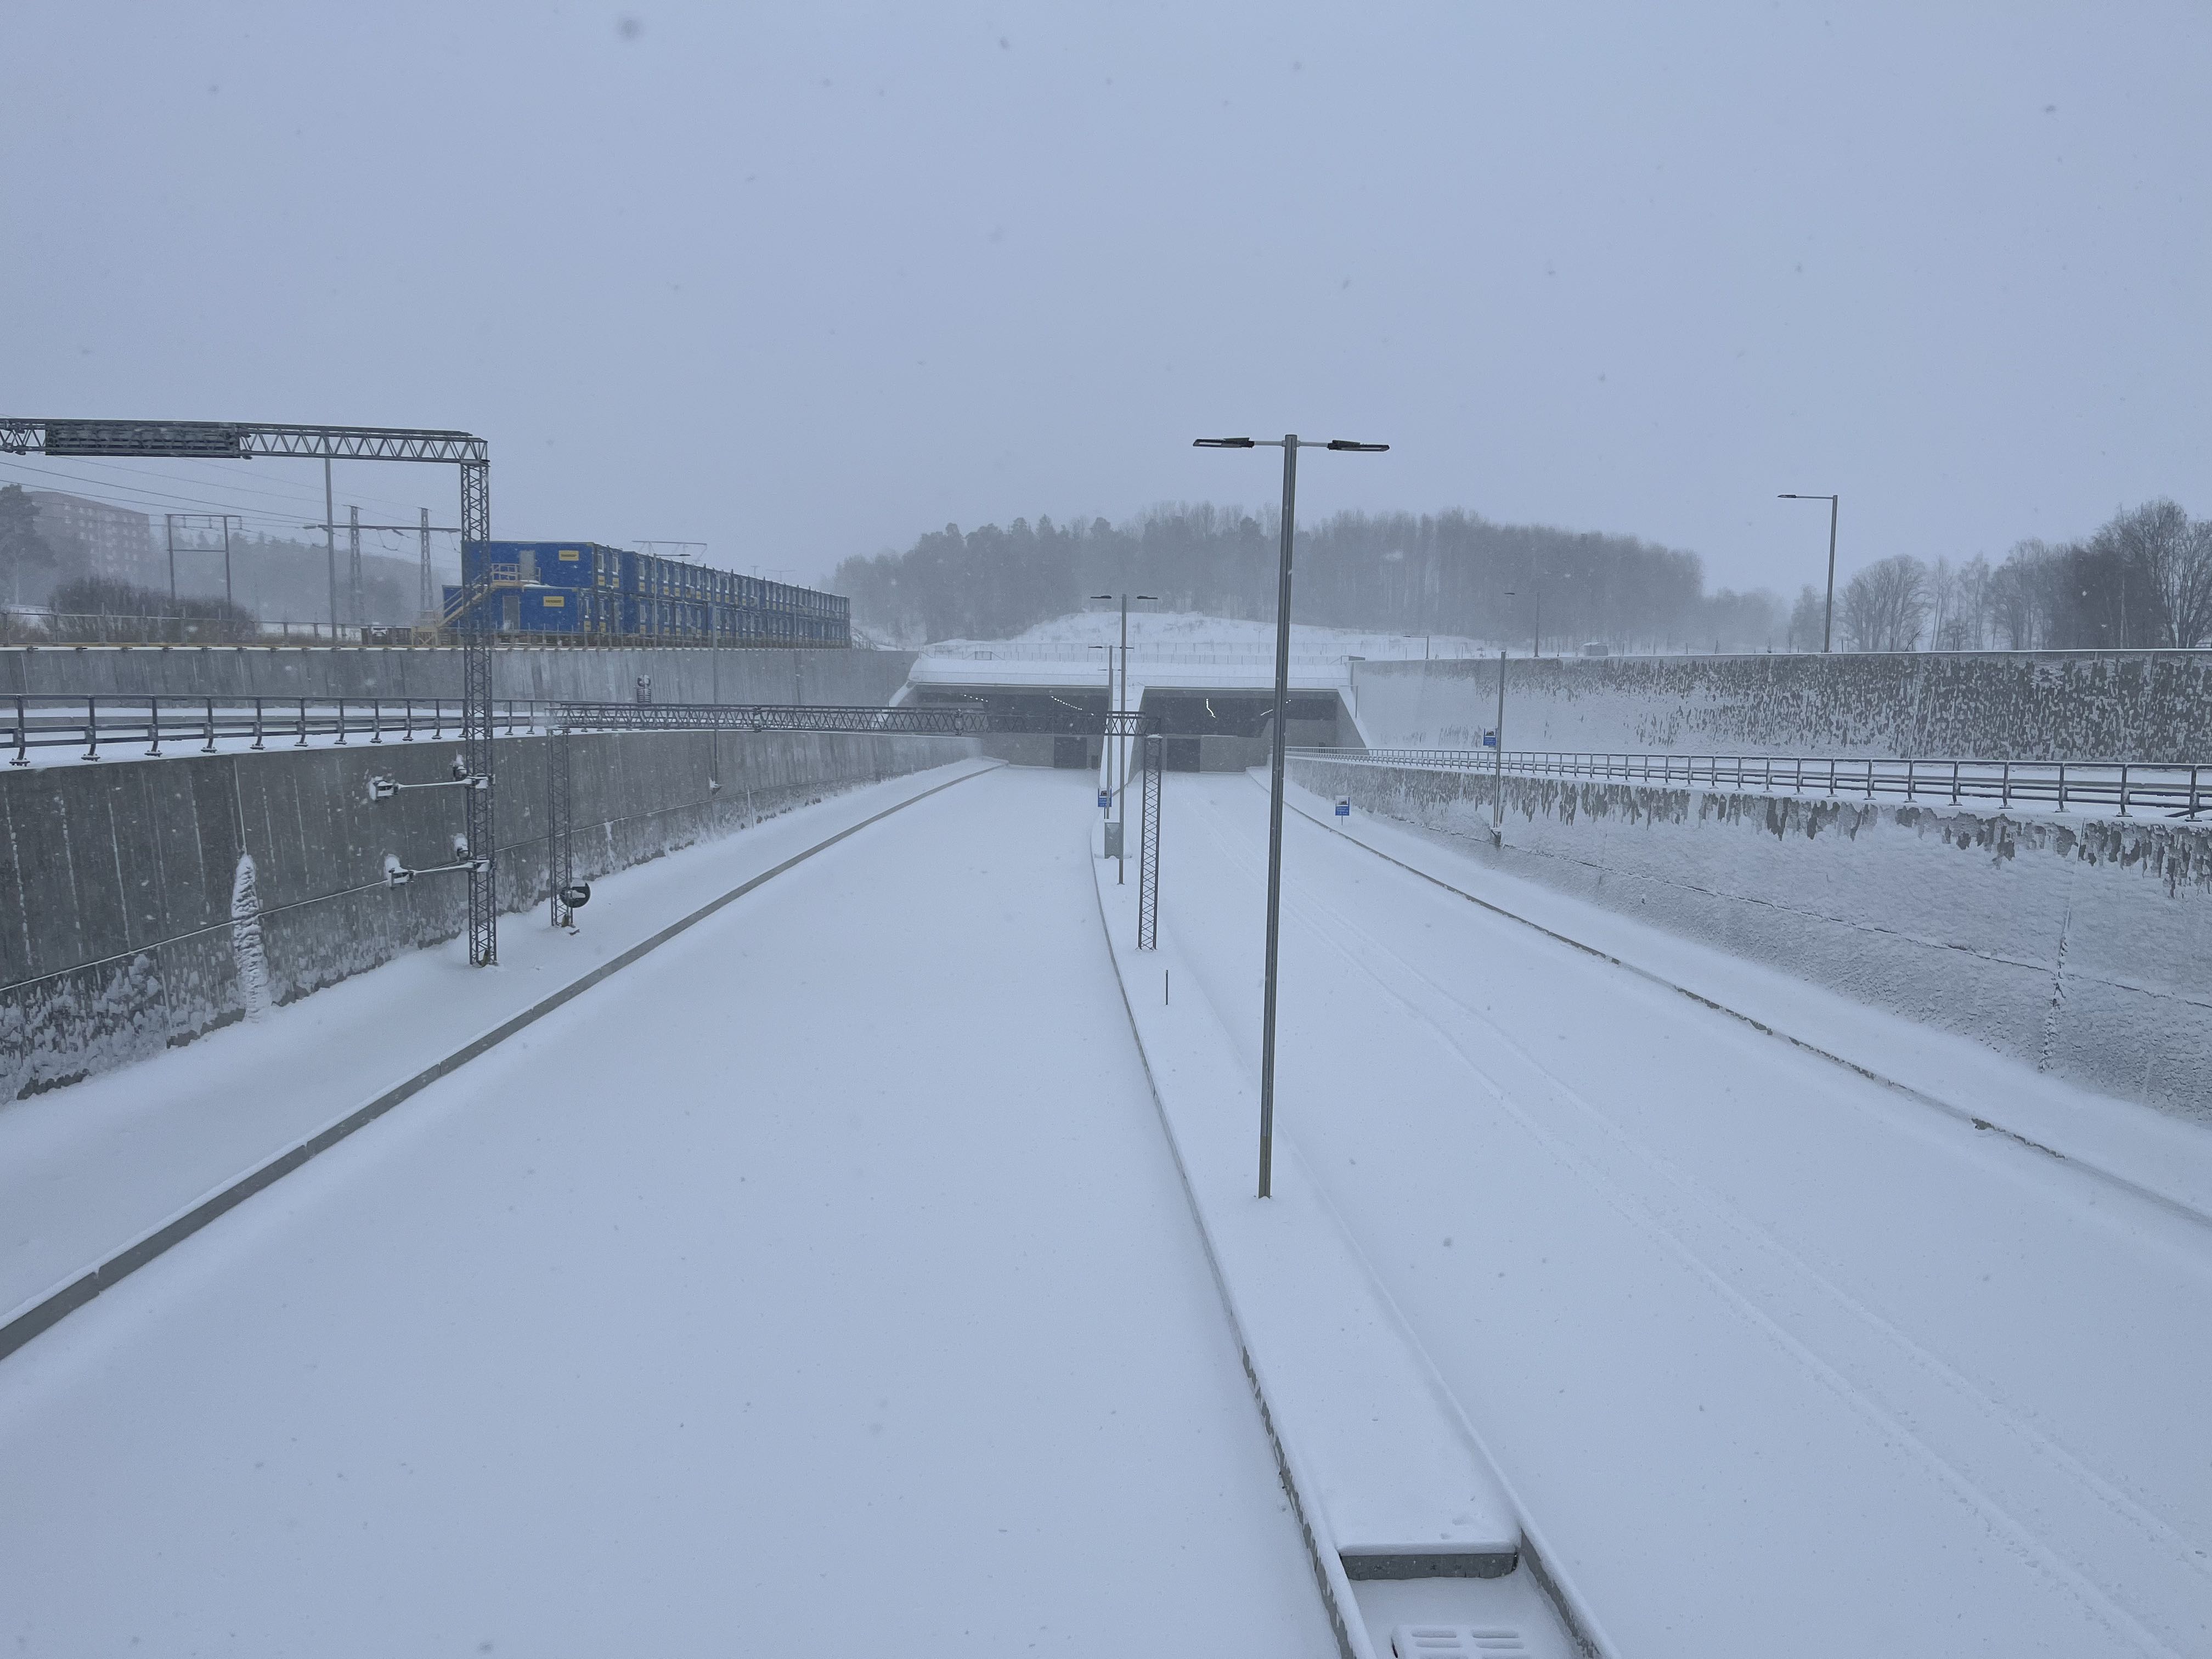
2081,947
577,674
2048,705
106,866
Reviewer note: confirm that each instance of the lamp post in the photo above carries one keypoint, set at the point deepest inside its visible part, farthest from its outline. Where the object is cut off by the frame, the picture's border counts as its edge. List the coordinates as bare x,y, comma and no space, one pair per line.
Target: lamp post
1105,765
1828,623
1289,444
1119,773
1498,750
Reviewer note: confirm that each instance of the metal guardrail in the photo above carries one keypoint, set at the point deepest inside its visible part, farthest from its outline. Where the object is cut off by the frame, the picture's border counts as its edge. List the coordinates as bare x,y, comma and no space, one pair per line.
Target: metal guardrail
110,725
2174,790
927,720
1139,655
91,723
758,717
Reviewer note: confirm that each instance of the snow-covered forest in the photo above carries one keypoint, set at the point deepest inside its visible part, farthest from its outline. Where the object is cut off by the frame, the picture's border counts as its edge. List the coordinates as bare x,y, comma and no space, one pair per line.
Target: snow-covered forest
2144,579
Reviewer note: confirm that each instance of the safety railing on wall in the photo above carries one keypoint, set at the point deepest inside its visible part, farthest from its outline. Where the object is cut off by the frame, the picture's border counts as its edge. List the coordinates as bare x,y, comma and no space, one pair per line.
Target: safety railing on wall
2174,790
115,726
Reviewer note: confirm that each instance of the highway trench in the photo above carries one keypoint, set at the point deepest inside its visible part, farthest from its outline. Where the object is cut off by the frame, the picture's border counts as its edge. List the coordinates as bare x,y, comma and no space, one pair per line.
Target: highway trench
827,1264
825,1270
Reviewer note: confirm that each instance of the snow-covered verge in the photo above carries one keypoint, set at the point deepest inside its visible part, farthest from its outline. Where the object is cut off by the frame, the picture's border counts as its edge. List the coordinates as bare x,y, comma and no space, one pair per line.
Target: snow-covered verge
1994,705
2079,947
118,933
1404,1514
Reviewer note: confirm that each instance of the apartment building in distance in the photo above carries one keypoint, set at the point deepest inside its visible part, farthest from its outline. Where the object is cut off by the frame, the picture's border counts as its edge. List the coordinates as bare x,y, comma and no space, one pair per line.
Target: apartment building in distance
112,541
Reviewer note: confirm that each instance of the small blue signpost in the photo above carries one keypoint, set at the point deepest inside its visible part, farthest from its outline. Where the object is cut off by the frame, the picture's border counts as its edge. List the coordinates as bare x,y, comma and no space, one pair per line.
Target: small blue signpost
1490,740
1344,809
1104,801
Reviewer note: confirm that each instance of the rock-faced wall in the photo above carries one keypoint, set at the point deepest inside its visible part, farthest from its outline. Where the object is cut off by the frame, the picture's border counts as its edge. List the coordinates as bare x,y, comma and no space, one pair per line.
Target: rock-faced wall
1994,705
2082,946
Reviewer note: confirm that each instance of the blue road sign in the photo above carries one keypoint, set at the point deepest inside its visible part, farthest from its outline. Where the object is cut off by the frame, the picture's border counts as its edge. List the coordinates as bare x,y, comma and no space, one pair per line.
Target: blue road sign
1103,801
1490,740
1344,809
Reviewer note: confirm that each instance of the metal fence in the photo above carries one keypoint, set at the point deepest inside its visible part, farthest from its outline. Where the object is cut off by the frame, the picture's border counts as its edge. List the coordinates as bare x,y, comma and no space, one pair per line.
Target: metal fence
2171,790
115,726
130,725
22,625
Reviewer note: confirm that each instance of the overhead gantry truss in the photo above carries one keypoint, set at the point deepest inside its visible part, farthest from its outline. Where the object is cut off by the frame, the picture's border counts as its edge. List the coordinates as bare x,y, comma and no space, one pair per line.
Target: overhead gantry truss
239,441
244,440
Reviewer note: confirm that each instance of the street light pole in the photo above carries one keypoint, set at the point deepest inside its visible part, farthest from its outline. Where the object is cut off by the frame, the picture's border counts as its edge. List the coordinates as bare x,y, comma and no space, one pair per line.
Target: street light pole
1105,755
1828,623
1289,444
1118,774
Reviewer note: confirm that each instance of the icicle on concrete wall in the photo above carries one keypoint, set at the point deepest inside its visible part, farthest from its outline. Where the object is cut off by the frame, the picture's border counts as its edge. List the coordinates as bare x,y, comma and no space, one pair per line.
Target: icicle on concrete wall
245,940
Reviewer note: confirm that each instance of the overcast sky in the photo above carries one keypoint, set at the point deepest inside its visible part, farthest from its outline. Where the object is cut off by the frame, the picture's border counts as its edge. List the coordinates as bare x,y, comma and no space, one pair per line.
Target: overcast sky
805,281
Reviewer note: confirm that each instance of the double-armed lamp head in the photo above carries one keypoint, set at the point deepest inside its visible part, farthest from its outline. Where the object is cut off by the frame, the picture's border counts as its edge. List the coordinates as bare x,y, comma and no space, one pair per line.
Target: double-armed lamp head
1278,443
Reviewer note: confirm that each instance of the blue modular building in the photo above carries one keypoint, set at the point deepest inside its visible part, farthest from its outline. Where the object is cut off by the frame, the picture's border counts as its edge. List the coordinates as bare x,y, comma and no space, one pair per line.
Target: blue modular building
614,595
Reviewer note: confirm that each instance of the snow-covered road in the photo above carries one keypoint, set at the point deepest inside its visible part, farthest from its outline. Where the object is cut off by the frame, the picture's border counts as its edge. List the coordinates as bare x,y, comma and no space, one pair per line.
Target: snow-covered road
1777,1360
822,1280
820,1283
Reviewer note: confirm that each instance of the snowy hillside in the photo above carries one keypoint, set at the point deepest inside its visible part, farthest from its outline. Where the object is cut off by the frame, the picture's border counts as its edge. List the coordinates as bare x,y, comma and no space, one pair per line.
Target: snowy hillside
1188,629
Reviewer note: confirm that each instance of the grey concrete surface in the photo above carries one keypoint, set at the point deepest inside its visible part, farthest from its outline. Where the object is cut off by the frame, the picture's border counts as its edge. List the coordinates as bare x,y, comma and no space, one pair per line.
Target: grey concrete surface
567,673
110,867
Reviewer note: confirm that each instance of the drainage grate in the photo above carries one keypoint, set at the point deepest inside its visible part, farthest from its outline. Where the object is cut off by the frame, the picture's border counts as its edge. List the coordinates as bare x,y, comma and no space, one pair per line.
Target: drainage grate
1456,1642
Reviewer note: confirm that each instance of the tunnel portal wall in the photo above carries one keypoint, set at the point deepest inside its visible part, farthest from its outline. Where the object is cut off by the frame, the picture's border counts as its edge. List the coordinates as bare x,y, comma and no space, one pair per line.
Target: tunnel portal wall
1994,705
2079,946
115,900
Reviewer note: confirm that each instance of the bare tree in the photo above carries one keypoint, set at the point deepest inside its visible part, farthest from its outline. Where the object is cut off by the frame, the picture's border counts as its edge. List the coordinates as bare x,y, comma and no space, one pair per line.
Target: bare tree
1807,617
1885,606
2174,556
1972,627
1942,603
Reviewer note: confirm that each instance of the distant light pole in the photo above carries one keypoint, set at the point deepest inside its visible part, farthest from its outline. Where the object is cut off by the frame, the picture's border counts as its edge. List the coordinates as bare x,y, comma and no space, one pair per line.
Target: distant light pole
1106,795
1289,444
1497,748
1828,624
1119,772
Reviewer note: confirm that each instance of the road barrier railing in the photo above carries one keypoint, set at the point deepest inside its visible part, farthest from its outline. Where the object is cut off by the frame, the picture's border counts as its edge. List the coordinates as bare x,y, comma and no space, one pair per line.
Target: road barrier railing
118,726
115,726
2127,787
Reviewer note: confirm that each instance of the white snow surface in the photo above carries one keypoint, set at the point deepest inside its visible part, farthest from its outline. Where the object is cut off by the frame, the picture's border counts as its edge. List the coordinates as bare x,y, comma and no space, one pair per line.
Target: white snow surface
821,1280
1772,1357
1176,632
826,1272
86,1169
